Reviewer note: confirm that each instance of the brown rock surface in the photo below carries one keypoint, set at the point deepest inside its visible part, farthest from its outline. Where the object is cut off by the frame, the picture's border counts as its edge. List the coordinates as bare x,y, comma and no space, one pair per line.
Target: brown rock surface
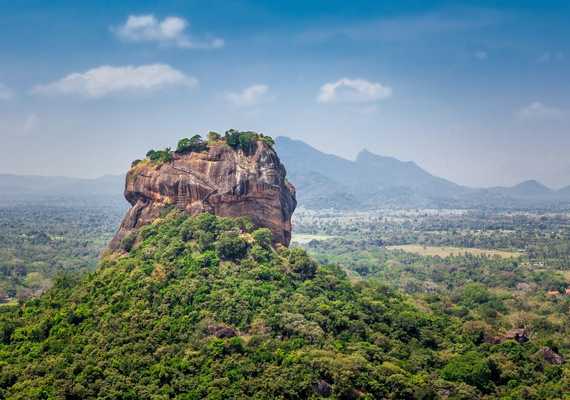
550,356
221,180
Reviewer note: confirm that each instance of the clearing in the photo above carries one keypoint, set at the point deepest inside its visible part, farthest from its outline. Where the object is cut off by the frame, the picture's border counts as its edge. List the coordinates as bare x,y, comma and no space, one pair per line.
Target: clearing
446,251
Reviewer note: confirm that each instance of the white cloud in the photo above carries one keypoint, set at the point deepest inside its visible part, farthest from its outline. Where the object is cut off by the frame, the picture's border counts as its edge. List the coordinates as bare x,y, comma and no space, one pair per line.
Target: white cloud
250,96
538,111
5,92
171,30
481,55
107,80
347,90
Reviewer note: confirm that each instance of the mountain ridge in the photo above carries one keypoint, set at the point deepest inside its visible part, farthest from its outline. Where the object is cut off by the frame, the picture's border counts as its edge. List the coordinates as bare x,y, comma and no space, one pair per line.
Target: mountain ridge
330,181
380,181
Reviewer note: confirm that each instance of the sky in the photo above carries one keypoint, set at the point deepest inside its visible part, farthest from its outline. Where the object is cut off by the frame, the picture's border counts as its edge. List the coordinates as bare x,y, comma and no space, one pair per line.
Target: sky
477,92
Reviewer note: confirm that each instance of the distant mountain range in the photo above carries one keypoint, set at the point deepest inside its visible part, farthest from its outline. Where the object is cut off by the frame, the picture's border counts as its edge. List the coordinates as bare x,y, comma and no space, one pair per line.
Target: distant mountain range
322,181
33,189
373,181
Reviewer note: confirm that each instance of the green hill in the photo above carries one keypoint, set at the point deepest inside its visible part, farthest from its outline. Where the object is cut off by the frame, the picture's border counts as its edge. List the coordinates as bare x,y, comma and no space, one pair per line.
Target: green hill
204,307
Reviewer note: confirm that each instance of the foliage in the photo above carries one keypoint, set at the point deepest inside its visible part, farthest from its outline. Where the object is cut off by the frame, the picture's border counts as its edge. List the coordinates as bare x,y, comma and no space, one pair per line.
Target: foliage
231,246
204,307
48,237
213,137
159,156
246,141
194,144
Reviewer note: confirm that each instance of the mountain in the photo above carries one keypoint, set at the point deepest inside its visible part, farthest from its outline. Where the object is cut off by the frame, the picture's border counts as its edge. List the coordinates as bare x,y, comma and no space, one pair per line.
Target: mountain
26,188
369,181
527,189
375,181
565,191
388,172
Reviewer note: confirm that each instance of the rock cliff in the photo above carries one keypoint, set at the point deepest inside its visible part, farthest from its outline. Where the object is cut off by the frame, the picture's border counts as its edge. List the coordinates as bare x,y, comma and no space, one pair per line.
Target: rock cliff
222,180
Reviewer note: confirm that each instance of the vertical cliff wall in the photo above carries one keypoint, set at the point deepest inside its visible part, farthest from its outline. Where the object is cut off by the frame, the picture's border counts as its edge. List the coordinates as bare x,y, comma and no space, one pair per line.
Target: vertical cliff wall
221,180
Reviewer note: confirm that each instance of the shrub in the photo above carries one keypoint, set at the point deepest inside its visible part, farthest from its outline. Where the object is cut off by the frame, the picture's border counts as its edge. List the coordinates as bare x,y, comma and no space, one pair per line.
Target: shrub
195,143
128,242
471,368
248,141
230,246
159,156
301,263
213,137
232,138
268,140
263,237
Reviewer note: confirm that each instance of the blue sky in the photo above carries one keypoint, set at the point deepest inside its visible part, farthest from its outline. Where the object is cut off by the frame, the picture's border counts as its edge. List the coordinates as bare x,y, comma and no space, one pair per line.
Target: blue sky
472,91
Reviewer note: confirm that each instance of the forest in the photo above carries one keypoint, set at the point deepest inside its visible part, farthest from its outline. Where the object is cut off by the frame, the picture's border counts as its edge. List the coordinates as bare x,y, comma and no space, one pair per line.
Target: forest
205,307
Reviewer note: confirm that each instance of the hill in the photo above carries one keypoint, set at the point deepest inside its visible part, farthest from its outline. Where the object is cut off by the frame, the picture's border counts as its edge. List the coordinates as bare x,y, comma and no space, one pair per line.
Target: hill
375,181
370,181
204,307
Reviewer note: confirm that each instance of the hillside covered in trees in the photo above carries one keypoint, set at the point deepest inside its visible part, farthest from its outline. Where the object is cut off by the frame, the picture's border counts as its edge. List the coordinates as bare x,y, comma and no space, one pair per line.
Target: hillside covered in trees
205,307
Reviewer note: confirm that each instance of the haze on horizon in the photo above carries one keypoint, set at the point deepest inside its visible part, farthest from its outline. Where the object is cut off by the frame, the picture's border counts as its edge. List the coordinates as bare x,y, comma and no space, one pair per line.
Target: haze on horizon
471,92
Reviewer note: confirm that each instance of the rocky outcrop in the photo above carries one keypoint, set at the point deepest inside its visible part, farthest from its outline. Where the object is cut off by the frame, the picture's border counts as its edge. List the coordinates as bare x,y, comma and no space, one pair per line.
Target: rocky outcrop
220,180
519,335
550,356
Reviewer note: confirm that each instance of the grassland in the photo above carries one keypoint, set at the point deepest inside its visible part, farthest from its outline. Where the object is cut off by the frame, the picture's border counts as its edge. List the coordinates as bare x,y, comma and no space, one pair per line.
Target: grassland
447,251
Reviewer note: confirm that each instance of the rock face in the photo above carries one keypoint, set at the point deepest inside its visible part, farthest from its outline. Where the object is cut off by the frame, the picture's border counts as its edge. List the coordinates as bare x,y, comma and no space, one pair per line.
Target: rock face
221,180
550,356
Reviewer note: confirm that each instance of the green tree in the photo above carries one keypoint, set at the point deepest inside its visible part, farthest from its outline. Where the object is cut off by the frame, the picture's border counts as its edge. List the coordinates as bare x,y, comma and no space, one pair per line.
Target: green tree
471,368
231,246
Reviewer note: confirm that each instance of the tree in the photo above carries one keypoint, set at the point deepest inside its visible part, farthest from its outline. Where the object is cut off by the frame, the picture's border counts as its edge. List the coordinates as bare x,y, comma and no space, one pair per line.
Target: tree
159,156
195,143
231,246
232,138
213,137
248,141
471,368
301,263
263,237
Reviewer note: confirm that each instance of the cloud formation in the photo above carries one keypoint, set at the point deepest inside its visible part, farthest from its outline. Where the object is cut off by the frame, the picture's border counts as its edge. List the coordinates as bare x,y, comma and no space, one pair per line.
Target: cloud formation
538,111
5,92
169,31
347,90
108,80
250,96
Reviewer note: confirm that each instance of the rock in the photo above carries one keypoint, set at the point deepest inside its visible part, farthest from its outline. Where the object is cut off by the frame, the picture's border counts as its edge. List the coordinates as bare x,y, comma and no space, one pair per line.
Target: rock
523,287
550,356
519,334
323,388
222,331
221,180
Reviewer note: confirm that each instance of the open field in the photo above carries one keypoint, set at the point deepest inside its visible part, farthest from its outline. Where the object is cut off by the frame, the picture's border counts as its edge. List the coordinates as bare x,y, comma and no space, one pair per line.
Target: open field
446,251
303,238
